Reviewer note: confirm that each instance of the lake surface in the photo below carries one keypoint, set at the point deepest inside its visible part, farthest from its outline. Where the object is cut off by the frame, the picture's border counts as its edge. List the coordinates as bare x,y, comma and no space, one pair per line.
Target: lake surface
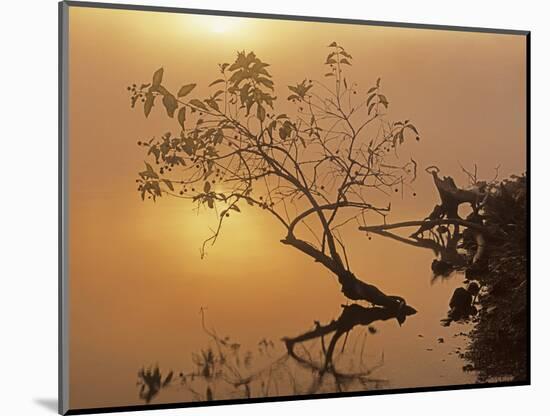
140,306
420,353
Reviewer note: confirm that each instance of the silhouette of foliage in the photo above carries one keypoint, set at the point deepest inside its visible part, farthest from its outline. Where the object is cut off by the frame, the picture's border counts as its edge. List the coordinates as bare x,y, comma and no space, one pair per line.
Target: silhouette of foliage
150,382
498,349
490,246
314,170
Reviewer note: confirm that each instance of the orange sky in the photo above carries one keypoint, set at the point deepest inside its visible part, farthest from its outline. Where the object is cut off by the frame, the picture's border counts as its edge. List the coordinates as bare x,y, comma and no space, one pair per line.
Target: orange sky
136,278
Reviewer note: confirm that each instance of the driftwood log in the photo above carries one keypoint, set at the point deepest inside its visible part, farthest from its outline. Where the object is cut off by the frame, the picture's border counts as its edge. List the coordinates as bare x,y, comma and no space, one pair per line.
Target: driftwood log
441,240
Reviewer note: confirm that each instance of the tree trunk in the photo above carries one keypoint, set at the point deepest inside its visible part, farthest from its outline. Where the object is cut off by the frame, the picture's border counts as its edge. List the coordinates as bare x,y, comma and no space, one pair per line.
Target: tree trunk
352,287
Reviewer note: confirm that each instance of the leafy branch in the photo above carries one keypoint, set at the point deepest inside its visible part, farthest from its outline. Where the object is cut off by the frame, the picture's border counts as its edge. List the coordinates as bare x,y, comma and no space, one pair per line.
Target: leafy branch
315,170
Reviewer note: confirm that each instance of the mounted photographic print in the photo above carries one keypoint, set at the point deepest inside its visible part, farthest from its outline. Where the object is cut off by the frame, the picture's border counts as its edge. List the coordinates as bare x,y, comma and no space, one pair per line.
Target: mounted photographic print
264,207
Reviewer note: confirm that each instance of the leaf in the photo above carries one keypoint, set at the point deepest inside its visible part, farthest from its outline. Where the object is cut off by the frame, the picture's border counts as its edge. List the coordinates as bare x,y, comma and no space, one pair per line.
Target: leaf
288,125
329,74
154,150
165,147
187,148
212,103
395,137
210,202
181,117
207,187
347,55
160,89
410,126
372,90
267,82
218,137
198,103
168,379
149,101
345,61
383,99
170,103
370,99
293,89
186,89
169,184
333,44
157,77
260,113
218,81
149,172
235,208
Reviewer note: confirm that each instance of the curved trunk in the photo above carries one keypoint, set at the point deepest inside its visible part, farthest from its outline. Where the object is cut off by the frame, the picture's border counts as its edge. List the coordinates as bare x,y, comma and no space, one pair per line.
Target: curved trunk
352,287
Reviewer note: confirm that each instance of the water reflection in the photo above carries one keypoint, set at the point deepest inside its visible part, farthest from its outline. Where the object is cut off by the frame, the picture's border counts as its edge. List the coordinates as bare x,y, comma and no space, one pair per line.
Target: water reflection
352,315
223,371
461,305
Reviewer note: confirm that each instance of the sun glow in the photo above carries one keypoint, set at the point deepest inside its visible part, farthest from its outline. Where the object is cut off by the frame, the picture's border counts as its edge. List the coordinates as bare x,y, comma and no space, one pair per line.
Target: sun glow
219,24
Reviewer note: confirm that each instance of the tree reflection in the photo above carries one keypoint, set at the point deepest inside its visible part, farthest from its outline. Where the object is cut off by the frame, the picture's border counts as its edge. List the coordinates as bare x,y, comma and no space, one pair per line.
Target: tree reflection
352,316
222,370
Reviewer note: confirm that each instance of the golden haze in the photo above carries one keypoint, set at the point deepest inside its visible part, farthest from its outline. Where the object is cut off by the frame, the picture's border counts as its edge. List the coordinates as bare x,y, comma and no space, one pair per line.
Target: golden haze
136,278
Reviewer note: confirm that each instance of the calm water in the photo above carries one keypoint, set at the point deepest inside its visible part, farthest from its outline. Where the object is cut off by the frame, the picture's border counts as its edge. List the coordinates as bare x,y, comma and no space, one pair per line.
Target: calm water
419,353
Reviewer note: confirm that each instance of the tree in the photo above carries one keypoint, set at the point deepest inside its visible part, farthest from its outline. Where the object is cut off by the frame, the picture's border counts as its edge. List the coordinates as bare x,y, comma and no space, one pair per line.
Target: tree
314,171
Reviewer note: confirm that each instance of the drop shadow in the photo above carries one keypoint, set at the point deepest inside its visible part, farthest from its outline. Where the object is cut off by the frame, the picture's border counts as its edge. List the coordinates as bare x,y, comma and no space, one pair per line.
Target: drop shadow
48,404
